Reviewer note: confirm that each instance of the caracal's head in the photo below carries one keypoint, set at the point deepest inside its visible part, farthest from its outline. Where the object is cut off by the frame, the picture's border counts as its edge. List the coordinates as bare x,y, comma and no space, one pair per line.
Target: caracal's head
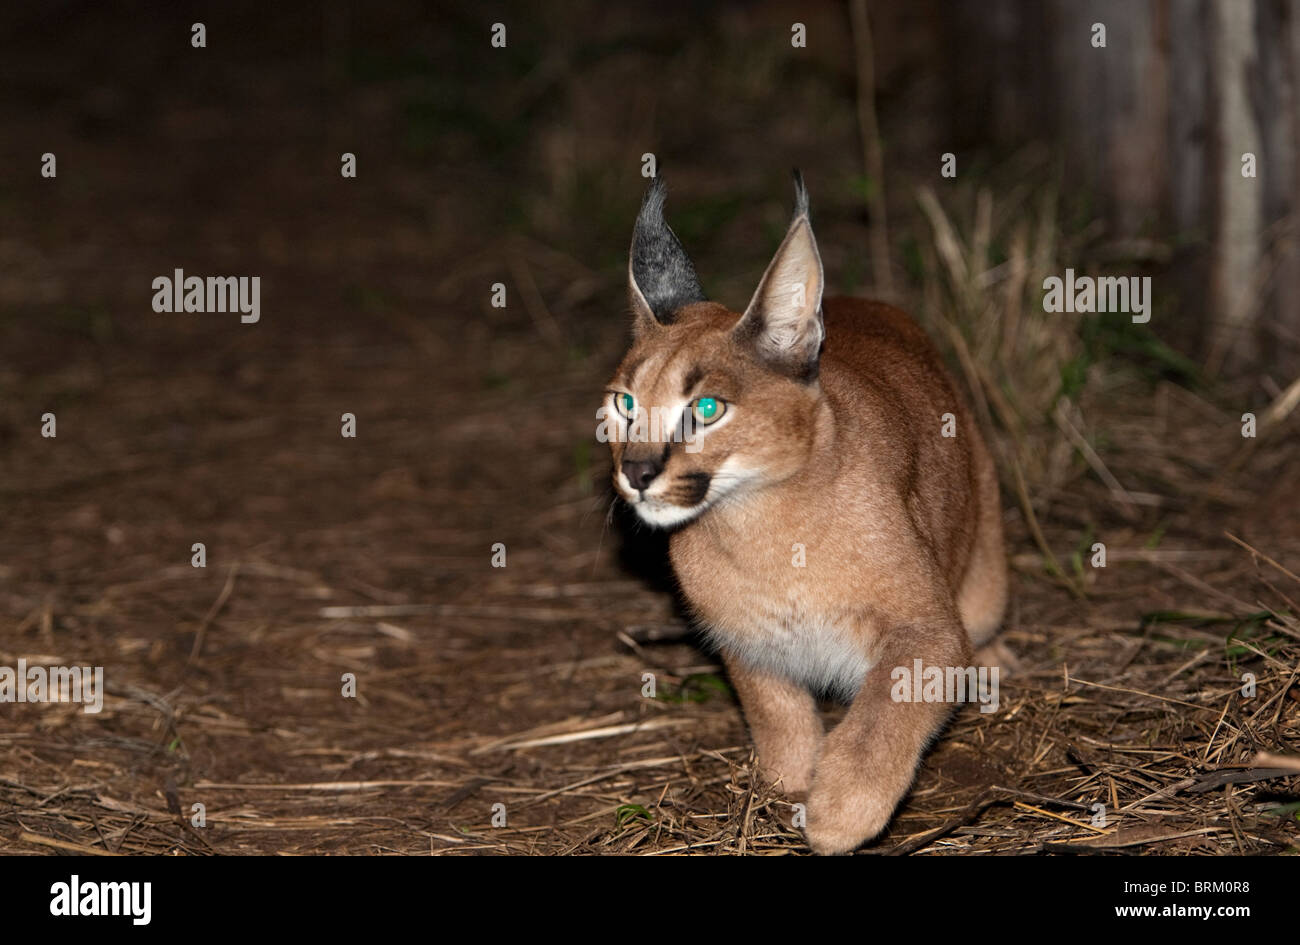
710,405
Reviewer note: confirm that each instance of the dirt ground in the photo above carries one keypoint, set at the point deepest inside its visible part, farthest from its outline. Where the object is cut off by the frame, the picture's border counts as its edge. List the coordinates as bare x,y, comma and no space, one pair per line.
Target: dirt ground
521,685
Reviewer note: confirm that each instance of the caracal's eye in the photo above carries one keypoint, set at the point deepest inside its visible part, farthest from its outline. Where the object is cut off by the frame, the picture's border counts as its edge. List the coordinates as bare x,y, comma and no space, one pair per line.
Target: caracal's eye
708,409
625,404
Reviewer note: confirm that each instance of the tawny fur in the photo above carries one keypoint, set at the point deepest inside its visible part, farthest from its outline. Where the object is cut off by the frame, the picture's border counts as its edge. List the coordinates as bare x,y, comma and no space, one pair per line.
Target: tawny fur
842,534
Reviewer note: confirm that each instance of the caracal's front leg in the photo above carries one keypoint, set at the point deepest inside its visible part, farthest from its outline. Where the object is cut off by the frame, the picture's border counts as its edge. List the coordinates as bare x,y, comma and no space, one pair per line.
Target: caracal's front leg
784,724
868,761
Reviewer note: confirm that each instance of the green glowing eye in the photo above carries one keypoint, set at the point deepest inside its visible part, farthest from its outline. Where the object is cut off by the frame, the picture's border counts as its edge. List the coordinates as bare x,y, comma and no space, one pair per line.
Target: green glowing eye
625,404
708,409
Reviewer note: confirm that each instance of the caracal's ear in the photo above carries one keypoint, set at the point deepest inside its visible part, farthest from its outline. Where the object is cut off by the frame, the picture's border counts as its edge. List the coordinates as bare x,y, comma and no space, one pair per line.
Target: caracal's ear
784,319
661,277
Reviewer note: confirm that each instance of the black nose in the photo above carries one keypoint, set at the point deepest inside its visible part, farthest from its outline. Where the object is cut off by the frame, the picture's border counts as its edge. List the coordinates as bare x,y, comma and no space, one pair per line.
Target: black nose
641,472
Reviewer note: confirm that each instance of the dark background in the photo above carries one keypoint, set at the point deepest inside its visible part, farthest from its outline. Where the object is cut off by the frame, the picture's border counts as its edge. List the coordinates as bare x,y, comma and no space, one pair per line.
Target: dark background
522,166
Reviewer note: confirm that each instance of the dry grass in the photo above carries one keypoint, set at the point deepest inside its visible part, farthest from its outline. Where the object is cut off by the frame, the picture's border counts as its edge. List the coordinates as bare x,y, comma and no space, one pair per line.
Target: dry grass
522,686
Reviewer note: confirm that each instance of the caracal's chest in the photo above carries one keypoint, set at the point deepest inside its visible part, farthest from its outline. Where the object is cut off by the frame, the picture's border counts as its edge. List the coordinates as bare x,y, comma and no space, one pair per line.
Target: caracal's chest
769,605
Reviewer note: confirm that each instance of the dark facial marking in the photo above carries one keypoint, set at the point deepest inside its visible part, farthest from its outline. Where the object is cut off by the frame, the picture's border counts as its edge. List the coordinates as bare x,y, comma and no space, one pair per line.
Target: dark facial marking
693,377
695,488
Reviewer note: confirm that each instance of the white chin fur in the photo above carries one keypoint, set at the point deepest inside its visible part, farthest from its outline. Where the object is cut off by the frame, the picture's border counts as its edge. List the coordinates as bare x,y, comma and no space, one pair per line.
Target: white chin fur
665,516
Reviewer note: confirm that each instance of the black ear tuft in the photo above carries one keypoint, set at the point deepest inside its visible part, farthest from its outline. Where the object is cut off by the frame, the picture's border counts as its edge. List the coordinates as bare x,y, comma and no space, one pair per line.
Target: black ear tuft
660,269
800,196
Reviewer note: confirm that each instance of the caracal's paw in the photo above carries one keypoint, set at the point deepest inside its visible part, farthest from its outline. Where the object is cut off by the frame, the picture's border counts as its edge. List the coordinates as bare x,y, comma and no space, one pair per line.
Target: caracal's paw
846,807
996,653
791,774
